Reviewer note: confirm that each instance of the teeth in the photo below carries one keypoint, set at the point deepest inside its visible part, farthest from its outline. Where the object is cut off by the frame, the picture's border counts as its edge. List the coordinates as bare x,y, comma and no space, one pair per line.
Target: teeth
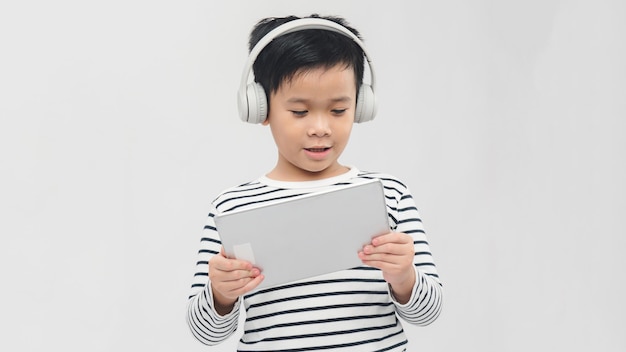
316,149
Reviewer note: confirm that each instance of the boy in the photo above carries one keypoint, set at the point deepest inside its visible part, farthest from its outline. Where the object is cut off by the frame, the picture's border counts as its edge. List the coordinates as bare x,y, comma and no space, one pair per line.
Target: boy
313,81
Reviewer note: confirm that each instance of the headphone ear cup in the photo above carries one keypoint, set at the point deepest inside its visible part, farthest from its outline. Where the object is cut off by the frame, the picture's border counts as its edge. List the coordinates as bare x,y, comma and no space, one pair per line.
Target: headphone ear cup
256,104
365,104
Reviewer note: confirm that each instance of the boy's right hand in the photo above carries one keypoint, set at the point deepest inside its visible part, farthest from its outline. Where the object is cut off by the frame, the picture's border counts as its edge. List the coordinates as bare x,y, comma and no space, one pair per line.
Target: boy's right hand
231,278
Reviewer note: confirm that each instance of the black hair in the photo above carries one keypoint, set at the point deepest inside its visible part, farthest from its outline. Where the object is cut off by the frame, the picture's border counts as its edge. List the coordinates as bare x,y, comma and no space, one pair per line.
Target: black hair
295,52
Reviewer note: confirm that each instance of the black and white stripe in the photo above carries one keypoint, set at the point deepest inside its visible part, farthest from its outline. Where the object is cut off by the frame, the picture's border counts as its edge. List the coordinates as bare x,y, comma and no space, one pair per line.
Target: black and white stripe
349,310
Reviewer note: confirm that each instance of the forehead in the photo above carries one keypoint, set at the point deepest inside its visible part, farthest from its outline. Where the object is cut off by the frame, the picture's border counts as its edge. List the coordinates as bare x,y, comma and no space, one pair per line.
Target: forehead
339,76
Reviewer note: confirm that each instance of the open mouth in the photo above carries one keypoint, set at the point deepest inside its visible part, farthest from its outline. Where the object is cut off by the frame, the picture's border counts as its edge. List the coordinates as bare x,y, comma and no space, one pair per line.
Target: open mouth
317,150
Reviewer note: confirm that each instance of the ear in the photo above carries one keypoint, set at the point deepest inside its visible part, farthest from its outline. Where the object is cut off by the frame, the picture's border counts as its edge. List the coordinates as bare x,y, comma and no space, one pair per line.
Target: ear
266,122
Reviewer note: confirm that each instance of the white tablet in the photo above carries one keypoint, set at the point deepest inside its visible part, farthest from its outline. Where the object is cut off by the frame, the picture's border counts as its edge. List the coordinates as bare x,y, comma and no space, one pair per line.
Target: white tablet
308,235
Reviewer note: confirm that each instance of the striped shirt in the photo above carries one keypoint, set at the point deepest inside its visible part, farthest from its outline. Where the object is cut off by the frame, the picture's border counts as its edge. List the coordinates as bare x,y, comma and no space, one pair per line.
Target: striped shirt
348,310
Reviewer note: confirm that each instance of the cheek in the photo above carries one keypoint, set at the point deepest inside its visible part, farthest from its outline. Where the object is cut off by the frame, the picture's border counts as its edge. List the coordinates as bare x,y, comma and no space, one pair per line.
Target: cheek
285,137
344,131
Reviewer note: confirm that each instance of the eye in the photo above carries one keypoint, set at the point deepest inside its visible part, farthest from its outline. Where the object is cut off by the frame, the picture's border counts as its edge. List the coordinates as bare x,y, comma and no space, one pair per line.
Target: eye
338,112
299,113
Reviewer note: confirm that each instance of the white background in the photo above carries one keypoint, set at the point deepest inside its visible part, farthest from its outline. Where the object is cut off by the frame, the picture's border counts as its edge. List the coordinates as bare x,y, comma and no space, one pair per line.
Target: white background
507,119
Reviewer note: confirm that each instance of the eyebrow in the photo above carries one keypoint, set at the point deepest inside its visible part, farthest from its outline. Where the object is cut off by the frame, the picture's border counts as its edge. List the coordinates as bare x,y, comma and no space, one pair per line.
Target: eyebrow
334,100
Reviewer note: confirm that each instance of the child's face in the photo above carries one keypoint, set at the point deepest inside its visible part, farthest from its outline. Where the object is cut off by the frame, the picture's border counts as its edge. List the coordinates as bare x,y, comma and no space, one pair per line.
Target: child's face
311,117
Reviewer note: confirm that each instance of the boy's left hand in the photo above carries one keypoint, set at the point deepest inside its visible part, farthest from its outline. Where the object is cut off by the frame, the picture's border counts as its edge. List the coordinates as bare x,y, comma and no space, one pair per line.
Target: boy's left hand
393,253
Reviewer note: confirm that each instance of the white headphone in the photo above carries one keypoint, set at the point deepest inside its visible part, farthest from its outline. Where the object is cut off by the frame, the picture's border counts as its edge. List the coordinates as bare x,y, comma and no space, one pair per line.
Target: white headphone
251,97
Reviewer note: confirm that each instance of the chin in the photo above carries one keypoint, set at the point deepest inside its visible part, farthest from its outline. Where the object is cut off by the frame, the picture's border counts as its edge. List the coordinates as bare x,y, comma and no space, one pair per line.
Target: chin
321,170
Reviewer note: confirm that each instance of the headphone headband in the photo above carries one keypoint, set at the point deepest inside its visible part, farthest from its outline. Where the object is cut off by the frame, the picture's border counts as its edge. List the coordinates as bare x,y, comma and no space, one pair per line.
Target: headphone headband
249,101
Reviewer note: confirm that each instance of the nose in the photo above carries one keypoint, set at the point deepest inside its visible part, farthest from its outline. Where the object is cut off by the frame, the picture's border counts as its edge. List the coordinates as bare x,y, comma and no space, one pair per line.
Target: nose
320,126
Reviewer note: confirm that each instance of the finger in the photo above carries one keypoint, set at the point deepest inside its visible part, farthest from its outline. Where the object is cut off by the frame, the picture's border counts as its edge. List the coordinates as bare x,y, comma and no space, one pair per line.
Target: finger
391,243
227,264
231,270
392,237
383,266
388,248
234,287
386,264
233,280
238,275
382,257
242,286
379,259
254,283
399,249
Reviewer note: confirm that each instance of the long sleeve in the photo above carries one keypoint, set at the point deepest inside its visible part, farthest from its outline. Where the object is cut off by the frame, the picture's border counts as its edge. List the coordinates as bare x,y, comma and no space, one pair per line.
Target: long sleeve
205,323
351,310
425,303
